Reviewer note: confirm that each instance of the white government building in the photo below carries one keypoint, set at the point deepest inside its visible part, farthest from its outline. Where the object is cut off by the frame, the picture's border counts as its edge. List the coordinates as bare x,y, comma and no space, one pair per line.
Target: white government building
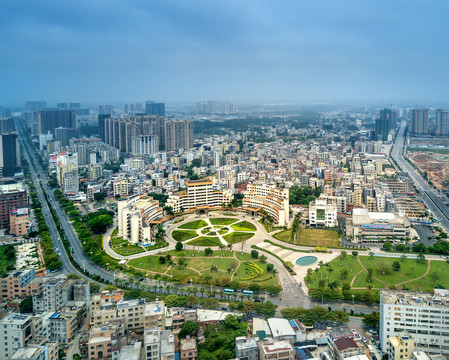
138,216
425,316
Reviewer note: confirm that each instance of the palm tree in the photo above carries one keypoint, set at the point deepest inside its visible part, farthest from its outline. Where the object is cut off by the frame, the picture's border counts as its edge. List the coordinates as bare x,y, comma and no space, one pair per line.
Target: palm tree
329,270
321,264
202,290
371,257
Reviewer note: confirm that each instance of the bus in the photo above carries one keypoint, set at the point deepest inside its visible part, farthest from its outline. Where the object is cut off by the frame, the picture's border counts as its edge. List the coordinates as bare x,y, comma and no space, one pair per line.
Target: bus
248,292
228,291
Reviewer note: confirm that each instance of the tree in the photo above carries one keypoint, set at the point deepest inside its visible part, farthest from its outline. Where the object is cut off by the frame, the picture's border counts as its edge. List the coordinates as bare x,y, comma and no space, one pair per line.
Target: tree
192,300
254,287
26,305
267,309
254,254
179,246
162,259
248,306
396,266
232,322
208,251
263,259
383,266
270,267
387,246
189,328
372,320
421,258
273,290
99,196
344,274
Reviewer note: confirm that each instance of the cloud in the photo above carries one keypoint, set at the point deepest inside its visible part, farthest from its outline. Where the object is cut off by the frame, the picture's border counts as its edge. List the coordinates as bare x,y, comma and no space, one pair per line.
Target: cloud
238,50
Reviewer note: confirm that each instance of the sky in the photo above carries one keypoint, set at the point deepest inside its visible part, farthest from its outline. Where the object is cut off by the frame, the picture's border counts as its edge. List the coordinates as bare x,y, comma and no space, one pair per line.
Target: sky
105,51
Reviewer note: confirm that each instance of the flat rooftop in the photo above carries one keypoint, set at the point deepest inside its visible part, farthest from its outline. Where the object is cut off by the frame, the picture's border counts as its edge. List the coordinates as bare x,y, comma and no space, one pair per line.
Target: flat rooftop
414,298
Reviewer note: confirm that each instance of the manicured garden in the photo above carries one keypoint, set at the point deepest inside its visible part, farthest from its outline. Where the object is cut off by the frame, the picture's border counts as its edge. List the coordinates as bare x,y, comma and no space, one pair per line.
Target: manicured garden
205,241
244,226
201,233
220,267
193,225
183,235
237,237
123,247
222,221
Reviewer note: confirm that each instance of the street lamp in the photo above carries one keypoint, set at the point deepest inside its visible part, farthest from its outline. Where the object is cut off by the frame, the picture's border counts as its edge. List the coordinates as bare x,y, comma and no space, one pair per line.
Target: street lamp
353,296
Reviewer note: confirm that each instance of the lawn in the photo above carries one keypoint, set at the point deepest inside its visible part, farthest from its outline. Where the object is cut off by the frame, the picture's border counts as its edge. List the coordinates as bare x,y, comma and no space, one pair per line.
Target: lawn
265,278
222,221
284,235
193,225
410,269
237,237
349,264
201,253
182,235
204,264
244,226
117,241
223,231
150,263
317,237
205,241
129,250
438,277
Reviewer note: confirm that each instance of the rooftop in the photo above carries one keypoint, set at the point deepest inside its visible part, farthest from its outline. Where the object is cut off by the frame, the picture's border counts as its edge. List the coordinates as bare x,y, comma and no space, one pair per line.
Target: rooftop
414,298
281,327
345,343
277,346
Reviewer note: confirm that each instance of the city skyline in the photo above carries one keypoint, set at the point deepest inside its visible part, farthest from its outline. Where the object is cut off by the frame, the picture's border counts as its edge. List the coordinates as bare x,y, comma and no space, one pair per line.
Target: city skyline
252,51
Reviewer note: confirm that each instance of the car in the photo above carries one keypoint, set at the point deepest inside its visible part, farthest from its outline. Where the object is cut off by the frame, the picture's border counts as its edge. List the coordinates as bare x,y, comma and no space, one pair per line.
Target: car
364,339
224,308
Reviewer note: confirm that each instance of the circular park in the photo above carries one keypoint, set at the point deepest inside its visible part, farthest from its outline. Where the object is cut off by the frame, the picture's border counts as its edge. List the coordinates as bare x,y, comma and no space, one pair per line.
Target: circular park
210,232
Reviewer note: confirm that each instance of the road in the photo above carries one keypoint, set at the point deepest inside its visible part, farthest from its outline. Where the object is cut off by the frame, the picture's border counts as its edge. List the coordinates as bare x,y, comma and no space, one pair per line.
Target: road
434,204
39,177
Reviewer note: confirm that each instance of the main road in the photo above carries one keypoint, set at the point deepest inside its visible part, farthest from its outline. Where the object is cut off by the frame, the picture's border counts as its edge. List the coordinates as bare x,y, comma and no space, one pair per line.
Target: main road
435,205
78,254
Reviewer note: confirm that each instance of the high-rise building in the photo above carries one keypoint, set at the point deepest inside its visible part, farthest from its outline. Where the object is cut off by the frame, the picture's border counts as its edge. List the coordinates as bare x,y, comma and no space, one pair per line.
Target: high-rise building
62,106
12,196
442,122
154,108
423,315
145,145
9,154
7,125
173,134
5,112
215,107
17,331
35,105
49,120
75,105
64,135
105,109
384,124
419,122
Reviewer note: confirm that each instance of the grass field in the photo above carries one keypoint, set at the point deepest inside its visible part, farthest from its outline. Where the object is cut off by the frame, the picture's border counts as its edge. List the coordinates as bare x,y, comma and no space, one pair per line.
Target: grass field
317,237
117,241
222,221
409,269
129,250
193,225
205,241
150,263
438,277
266,278
383,273
198,267
244,226
182,235
237,237
349,264
284,235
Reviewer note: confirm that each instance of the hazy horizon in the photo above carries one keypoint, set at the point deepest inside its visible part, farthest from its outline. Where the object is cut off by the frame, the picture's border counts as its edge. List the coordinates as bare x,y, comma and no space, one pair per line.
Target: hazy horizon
244,52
